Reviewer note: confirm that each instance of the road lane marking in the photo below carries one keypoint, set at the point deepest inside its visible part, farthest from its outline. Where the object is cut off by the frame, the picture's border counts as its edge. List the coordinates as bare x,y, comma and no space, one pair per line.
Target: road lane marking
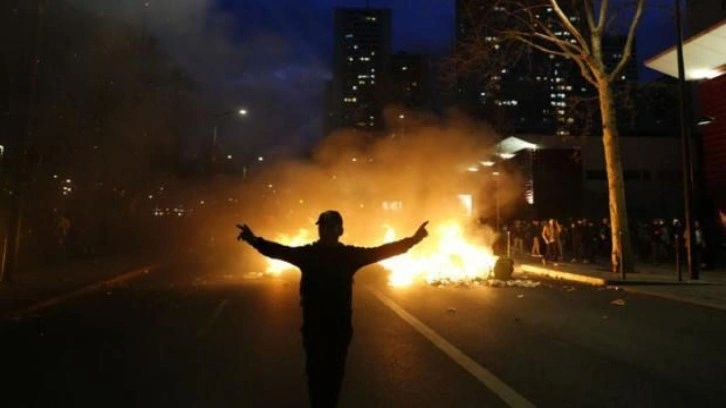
503,391
52,301
208,324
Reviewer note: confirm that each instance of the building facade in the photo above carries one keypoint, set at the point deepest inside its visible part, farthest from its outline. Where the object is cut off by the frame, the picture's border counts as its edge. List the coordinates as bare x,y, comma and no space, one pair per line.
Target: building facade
564,179
411,85
361,63
704,61
541,92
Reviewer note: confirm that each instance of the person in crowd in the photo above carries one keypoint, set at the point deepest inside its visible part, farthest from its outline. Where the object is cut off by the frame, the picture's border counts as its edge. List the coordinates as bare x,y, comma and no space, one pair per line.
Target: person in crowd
518,238
563,241
550,236
604,238
699,245
535,231
577,239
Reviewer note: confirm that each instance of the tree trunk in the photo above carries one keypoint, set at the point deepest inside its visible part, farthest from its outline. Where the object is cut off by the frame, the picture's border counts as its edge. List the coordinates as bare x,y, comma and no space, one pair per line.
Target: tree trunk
621,249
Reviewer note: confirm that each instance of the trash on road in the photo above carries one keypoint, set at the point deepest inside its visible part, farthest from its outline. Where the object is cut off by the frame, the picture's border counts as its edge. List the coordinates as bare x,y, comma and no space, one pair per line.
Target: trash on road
497,283
451,310
253,275
519,283
618,302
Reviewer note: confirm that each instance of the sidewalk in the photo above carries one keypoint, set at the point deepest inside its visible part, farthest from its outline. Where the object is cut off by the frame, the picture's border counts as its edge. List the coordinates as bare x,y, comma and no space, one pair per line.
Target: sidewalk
35,289
654,280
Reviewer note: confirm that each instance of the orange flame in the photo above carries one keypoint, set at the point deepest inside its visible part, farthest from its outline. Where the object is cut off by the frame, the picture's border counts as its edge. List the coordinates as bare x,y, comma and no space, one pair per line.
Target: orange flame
275,266
446,255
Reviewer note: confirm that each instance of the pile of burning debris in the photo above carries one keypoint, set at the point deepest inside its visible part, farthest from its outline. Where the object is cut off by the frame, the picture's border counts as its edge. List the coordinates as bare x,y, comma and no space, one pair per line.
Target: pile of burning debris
491,282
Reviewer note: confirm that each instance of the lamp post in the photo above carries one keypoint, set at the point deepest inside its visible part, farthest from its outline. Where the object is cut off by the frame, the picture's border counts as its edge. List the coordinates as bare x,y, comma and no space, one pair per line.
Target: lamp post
215,132
686,164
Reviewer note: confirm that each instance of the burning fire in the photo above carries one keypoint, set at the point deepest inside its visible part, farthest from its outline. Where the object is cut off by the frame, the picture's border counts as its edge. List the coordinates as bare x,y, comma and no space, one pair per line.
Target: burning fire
275,266
446,255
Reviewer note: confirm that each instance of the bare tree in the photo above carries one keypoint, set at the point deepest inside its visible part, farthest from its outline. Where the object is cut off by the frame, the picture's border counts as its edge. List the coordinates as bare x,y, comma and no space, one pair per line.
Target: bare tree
500,32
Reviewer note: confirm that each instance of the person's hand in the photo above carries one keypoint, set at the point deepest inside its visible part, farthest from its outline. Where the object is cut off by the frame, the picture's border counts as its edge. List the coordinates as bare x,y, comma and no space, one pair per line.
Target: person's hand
421,232
245,234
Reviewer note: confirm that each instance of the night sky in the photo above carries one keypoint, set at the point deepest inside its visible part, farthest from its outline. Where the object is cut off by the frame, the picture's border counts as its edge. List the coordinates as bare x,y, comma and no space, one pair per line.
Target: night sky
272,56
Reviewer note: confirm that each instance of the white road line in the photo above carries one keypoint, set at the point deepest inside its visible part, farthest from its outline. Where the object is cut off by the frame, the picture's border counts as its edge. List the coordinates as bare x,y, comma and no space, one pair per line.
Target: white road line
208,325
505,392
80,292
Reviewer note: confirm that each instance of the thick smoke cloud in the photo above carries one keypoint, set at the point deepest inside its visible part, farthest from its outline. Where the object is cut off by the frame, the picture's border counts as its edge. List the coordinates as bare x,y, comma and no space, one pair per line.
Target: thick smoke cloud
237,62
416,173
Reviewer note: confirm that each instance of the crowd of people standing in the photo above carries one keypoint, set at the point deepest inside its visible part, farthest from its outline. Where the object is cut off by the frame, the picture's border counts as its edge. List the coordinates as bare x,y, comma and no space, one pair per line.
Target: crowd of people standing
588,241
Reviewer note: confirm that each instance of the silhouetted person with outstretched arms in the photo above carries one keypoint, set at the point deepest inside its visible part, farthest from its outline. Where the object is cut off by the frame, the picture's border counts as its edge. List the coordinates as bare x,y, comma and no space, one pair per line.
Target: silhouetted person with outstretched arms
326,288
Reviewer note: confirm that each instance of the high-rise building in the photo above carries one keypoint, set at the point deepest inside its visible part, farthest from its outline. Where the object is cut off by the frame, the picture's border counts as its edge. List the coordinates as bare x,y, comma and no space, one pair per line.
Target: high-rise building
410,80
612,49
361,63
535,94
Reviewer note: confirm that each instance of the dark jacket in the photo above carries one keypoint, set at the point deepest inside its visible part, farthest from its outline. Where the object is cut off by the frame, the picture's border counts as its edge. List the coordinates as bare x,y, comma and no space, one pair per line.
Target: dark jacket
327,275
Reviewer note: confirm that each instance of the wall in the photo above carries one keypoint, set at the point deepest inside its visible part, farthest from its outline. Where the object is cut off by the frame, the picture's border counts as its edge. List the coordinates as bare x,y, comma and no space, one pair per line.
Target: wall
652,173
712,95
651,168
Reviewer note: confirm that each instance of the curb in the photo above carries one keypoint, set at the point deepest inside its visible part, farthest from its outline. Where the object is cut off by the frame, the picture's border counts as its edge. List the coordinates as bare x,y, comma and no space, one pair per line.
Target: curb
56,299
628,286
553,274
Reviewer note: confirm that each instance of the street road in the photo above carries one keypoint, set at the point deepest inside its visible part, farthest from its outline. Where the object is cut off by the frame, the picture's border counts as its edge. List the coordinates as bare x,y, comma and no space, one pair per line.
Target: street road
195,335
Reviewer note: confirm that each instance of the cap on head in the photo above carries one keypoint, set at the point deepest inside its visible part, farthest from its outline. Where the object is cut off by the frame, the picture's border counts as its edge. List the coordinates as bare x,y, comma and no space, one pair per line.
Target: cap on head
330,217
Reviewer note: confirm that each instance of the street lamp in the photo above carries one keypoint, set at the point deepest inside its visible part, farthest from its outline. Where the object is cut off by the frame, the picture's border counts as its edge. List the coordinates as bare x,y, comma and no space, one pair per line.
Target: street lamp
704,120
241,112
215,131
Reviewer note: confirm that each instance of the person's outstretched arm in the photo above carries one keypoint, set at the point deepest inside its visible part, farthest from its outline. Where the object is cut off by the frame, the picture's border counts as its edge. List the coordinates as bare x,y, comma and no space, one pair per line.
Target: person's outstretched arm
379,253
268,248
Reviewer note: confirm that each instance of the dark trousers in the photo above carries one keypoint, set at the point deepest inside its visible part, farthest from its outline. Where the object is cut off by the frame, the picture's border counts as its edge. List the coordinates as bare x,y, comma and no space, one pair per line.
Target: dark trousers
553,251
325,354
578,249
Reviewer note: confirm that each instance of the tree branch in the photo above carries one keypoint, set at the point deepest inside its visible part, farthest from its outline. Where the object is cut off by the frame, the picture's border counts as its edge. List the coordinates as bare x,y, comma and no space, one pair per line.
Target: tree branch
568,24
589,8
628,48
602,16
522,37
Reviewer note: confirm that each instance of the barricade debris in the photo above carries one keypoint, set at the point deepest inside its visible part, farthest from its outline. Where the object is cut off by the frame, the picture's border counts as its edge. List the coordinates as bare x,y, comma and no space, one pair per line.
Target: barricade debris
496,283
